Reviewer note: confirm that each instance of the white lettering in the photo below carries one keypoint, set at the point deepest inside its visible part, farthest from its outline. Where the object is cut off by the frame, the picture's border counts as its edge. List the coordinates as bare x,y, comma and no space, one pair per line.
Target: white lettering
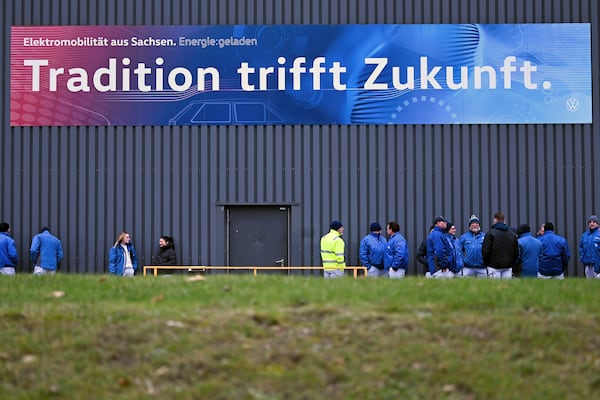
491,76
410,78
187,79
263,74
527,69
508,68
111,75
78,80
54,73
297,70
370,83
316,70
336,71
428,76
214,74
244,71
464,78
35,72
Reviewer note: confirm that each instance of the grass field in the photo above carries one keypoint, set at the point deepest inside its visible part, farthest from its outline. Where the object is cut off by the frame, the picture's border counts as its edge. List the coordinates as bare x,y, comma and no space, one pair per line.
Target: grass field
279,337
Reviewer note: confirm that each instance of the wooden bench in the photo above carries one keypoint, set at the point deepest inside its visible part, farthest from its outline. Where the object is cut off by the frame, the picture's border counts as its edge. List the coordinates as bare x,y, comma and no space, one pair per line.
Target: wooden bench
204,268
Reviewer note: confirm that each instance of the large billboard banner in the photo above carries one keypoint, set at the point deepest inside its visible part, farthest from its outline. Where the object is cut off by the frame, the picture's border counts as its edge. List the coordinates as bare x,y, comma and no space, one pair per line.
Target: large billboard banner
300,74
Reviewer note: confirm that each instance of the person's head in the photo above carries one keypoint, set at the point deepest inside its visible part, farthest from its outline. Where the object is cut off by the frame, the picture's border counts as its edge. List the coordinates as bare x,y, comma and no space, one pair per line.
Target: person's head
165,241
123,238
451,228
4,227
593,222
375,227
44,228
337,226
440,222
474,224
523,228
499,218
548,226
392,227
541,230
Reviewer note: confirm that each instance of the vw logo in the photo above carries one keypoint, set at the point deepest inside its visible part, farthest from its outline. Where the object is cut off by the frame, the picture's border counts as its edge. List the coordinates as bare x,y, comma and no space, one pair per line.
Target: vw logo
572,104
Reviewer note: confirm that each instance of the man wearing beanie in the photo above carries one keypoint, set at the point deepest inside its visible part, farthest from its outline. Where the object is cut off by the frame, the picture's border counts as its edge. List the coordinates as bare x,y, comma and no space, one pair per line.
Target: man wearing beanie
589,249
371,250
470,244
8,251
332,251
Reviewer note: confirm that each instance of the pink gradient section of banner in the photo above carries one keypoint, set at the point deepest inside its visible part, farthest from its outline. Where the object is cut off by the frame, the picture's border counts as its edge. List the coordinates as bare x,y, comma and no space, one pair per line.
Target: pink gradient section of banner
60,106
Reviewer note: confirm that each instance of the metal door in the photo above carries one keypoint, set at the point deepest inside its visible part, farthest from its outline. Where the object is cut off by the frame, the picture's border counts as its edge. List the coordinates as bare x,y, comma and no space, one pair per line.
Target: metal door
258,236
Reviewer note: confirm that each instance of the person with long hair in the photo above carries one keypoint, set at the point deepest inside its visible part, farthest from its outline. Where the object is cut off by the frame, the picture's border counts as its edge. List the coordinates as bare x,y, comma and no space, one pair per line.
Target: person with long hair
122,259
166,252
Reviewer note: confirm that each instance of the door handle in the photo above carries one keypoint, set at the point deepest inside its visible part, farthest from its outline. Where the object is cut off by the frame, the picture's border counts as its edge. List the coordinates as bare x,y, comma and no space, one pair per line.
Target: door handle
281,262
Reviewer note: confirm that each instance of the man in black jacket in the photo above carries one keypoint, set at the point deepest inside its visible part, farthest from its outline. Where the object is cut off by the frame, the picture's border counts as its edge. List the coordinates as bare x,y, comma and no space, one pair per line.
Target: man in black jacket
422,254
500,249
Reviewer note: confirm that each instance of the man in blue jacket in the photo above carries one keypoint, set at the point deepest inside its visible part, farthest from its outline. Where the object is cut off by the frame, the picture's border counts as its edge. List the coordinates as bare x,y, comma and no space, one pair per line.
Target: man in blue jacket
8,251
45,252
371,251
589,249
556,254
440,255
396,252
530,252
470,244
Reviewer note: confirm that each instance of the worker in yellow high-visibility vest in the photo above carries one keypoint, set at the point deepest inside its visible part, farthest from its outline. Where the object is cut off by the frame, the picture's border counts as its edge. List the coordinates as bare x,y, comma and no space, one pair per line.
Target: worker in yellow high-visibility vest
332,251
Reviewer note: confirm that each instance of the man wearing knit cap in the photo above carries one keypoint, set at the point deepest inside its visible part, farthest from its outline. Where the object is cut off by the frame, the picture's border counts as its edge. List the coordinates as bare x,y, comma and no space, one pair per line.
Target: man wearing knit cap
470,244
332,251
371,250
589,249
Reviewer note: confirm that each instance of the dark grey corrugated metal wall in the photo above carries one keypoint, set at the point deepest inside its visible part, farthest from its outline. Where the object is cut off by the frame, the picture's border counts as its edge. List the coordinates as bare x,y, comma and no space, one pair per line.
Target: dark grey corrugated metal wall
89,183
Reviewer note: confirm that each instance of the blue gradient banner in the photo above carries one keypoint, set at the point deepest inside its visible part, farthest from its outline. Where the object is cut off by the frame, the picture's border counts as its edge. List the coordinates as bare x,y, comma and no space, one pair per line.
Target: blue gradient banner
301,74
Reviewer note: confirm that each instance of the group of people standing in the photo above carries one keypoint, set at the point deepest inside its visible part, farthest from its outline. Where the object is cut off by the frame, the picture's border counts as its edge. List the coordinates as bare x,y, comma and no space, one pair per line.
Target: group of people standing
500,253
46,253
383,257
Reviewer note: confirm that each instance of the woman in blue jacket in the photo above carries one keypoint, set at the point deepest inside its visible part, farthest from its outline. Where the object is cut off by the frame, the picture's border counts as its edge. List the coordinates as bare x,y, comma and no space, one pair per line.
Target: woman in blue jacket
122,259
